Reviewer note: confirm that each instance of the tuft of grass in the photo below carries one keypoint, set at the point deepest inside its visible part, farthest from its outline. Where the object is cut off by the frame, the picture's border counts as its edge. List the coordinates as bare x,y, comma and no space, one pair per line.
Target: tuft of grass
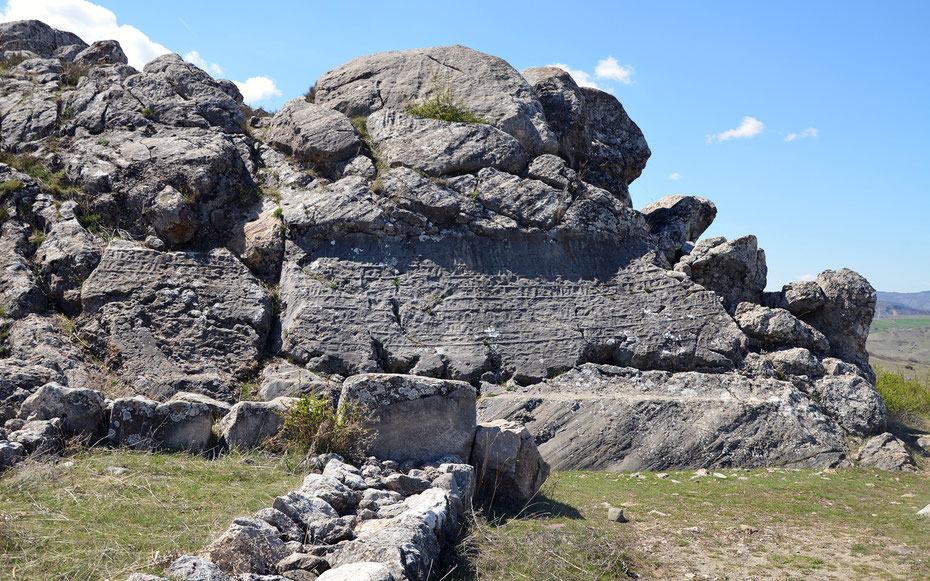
445,107
360,124
904,397
147,113
83,523
312,425
71,73
10,187
54,183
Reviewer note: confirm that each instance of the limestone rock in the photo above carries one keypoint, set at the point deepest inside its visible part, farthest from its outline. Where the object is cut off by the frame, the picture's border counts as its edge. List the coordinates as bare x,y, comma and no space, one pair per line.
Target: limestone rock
486,85
39,436
172,218
441,147
11,453
773,328
886,452
565,108
796,361
20,293
259,242
192,568
180,321
677,221
802,297
314,134
252,548
283,379
66,258
361,571
415,418
331,491
249,423
510,469
853,402
735,270
81,411
849,305
600,417
35,36
102,52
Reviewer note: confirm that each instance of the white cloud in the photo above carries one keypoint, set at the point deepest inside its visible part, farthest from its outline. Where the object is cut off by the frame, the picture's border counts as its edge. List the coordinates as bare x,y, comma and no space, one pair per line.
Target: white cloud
809,132
750,127
609,68
257,89
675,176
807,278
194,58
89,21
582,78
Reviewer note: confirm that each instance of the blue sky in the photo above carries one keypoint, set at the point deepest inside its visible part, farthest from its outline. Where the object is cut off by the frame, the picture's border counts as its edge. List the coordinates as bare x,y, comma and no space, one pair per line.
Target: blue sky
718,88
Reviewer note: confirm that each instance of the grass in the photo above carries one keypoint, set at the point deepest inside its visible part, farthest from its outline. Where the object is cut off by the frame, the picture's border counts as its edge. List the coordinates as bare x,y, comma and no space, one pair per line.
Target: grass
765,523
904,396
900,323
445,107
54,183
83,522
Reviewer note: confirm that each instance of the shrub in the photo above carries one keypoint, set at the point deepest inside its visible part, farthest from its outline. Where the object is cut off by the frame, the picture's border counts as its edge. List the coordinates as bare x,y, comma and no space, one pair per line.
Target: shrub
313,426
445,107
71,73
10,186
903,396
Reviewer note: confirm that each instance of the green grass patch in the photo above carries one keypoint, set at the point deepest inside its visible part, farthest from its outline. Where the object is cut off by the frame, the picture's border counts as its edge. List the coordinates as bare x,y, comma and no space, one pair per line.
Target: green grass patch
85,523
445,107
900,323
10,186
904,396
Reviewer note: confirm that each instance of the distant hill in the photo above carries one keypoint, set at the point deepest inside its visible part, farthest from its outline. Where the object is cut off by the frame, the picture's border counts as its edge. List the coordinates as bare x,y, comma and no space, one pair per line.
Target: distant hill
902,304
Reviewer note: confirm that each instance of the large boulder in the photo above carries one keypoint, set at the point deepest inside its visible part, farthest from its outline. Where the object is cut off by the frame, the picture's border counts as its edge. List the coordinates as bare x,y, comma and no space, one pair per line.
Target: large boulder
886,452
847,311
252,546
179,321
314,134
677,222
772,328
486,85
102,52
81,410
176,425
510,469
599,417
566,110
251,423
414,418
441,147
35,36
735,270
20,292
852,402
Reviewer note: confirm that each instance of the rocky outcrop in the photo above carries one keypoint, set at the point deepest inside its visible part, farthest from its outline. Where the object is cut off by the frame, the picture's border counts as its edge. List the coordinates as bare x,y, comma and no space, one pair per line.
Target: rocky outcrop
677,222
510,470
886,452
733,269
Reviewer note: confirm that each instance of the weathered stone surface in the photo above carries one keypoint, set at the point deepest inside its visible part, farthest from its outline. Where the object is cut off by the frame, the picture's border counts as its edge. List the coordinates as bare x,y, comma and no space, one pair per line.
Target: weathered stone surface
11,453
314,134
65,259
39,436
35,36
41,341
886,452
796,361
345,473
405,485
249,423
457,306
565,108
331,491
102,52
677,221
772,328
361,571
509,468
254,548
304,509
259,242
283,379
142,423
441,147
173,315
192,568
217,408
735,270
852,402
81,411
20,293
849,305
802,297
486,85
172,217
288,528
415,418
608,418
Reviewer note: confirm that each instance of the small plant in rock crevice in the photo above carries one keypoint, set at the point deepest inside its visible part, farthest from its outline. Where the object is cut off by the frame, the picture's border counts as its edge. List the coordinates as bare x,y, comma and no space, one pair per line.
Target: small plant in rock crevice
443,106
313,426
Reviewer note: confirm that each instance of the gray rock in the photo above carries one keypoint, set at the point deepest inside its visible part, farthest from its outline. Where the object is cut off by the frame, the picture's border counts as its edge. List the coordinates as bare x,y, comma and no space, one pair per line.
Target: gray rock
405,485
852,402
303,561
345,473
802,297
773,328
259,242
600,417
20,292
508,465
465,480
102,52
141,423
314,134
80,410
172,218
886,452
531,203
414,418
247,549
304,509
676,221
486,85
849,305
217,408
144,577
192,568
565,108
39,436
250,423
65,259
552,170
796,361
331,491
11,453
180,321
361,571
330,531
924,512
615,514
35,36
735,270
287,527
283,379
441,147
